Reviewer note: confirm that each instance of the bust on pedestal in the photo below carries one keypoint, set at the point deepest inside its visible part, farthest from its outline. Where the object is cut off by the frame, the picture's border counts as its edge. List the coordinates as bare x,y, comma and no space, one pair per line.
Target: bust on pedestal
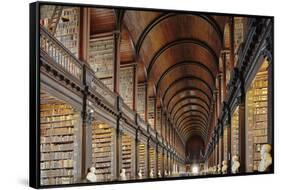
123,175
224,167
166,174
159,173
91,176
214,169
140,174
235,164
219,169
151,174
266,159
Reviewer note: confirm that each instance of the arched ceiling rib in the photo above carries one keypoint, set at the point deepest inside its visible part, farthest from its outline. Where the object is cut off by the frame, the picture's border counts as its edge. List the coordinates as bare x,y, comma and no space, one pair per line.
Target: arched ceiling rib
179,54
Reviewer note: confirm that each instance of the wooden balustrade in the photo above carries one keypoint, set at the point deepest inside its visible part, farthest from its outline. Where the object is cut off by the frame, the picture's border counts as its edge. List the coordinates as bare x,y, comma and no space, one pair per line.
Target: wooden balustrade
59,54
128,112
99,88
142,123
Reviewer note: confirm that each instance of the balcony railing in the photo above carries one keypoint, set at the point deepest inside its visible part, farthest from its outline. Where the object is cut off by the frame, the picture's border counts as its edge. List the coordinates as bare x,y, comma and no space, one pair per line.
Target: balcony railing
61,56
128,112
141,123
100,88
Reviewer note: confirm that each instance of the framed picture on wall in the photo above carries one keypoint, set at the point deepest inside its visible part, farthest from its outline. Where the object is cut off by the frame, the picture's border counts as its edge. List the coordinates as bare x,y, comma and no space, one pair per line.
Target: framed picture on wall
121,94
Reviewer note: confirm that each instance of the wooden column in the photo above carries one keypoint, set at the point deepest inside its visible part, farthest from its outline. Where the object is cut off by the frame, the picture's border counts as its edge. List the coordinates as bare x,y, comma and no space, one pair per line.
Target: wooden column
118,153
220,90
163,162
84,34
84,37
156,161
218,147
86,141
222,144
216,106
137,142
154,113
224,75
135,87
161,122
228,125
148,158
145,104
242,136
166,124
116,66
270,110
231,35
117,149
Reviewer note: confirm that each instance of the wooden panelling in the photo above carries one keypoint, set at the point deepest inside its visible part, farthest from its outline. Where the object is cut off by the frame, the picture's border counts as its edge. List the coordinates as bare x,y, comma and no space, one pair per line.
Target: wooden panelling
102,20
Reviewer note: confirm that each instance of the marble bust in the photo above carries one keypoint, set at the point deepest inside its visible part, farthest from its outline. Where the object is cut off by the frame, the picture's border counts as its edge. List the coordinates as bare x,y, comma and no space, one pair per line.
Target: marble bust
151,174
214,169
123,175
224,167
159,173
266,159
140,174
166,174
235,164
219,169
91,176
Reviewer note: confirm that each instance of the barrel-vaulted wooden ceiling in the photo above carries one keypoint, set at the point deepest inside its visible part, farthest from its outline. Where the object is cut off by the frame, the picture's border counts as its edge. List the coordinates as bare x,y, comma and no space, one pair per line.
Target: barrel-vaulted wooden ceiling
177,54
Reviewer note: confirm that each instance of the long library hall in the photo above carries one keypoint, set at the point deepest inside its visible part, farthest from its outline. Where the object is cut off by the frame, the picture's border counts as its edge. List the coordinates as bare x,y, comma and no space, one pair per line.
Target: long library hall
146,94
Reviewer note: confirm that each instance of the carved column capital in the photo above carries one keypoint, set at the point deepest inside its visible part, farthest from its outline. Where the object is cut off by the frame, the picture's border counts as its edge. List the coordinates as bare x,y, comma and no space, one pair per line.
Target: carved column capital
88,116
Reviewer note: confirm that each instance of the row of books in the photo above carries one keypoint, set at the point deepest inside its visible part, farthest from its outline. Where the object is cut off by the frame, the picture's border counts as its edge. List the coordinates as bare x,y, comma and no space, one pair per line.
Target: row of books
57,131
53,112
54,118
56,147
56,173
68,163
56,180
55,107
58,124
56,156
57,139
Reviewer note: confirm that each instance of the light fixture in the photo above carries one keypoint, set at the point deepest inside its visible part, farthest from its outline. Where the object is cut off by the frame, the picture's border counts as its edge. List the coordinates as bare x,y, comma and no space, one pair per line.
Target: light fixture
195,169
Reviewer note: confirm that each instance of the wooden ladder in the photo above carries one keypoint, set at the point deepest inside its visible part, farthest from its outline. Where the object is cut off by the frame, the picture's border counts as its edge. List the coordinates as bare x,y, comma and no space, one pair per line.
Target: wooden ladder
52,26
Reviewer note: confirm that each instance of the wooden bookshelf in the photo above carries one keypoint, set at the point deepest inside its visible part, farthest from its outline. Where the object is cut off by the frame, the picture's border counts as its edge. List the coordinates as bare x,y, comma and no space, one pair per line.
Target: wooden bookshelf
160,162
101,59
225,143
235,133
68,29
152,160
142,158
150,110
127,155
141,101
57,141
102,142
166,166
126,85
256,124
158,121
